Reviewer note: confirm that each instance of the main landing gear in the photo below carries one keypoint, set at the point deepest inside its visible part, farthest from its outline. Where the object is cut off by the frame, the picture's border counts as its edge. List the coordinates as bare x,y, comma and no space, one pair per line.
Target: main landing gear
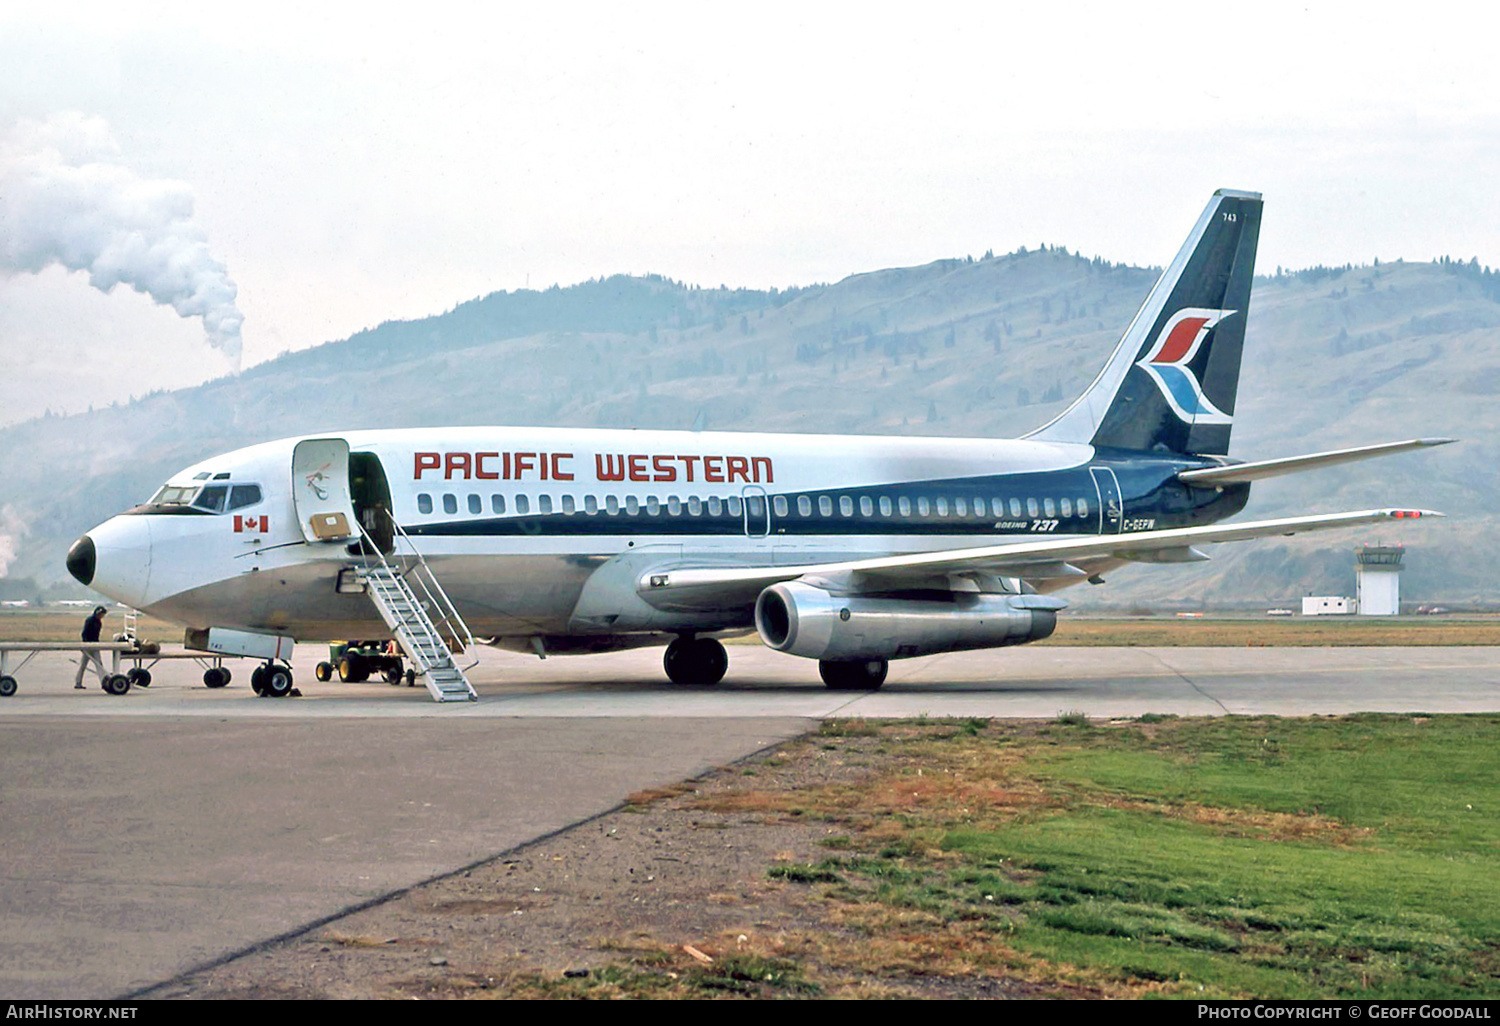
691,660
271,681
860,675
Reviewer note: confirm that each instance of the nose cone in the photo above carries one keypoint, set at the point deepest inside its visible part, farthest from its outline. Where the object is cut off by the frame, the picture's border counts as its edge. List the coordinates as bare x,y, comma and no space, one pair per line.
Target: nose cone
82,560
114,559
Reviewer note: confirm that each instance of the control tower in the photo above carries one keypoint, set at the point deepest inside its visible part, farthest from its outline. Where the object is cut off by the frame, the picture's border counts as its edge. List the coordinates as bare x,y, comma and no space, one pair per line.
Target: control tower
1377,577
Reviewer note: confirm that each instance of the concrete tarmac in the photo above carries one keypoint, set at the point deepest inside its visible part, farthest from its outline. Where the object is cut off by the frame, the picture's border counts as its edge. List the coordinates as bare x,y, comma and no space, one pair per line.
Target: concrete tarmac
147,834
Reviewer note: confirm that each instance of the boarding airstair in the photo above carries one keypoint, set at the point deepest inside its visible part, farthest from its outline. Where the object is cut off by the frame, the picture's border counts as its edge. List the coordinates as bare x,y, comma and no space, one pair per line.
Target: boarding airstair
417,610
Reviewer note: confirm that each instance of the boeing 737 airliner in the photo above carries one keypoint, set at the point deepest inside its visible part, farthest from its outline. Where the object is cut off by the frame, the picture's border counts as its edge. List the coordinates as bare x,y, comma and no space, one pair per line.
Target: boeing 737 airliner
849,550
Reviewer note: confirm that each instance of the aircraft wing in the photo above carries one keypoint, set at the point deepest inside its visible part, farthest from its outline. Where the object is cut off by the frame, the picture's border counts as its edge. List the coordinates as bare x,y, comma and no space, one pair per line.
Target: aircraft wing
1036,561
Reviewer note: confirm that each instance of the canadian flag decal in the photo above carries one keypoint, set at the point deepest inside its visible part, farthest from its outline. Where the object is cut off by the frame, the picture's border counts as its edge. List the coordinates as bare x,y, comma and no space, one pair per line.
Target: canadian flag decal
261,523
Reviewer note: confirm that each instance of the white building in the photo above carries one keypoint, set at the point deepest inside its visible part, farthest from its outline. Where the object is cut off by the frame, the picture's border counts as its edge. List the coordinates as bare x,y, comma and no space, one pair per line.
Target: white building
1377,576
1326,605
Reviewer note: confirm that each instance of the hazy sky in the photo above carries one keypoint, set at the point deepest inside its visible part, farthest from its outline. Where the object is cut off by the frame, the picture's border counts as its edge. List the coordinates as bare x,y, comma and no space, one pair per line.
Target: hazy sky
347,165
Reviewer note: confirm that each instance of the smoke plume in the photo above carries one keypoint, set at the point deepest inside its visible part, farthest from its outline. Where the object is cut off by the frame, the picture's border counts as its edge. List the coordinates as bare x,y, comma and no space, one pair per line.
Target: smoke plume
12,527
65,199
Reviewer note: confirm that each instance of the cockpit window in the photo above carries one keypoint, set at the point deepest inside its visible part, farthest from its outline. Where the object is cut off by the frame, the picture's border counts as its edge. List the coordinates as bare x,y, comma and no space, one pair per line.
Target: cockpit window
171,495
212,498
201,499
244,495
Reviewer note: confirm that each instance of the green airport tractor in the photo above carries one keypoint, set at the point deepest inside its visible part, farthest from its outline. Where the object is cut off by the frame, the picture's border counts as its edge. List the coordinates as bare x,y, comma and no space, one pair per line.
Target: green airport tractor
357,661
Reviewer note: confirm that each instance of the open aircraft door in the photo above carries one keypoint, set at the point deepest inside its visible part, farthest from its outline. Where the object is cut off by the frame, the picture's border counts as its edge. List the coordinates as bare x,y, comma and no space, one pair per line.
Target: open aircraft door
320,489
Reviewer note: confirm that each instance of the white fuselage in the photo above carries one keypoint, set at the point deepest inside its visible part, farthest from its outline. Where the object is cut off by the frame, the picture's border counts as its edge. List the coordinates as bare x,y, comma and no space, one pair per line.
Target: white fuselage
516,521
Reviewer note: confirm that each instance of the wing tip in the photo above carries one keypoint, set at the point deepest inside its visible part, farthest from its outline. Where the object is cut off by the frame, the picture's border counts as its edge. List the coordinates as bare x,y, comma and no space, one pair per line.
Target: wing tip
1411,514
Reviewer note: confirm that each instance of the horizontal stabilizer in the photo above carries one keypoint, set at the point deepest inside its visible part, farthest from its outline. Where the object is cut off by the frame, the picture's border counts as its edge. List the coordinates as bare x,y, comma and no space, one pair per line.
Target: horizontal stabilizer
1243,473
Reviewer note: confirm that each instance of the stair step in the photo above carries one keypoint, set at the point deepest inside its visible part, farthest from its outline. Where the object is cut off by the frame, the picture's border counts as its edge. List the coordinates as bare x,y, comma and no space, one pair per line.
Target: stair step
426,648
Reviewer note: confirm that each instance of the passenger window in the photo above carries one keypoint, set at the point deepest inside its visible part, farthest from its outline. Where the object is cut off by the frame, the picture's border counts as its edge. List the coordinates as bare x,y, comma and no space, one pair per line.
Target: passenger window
960,507
1067,507
1049,508
942,506
523,504
475,506
1032,510
779,505
756,504
632,505
653,505
825,505
674,506
923,506
997,507
544,504
244,495
612,505
866,506
450,503
715,505
567,505
590,505
695,506
846,506
1015,508
497,504
736,507
424,503
804,506
885,505
903,505
1083,507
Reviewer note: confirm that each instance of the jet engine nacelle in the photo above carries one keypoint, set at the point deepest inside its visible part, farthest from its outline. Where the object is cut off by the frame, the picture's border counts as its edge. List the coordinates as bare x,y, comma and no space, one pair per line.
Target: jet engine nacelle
805,620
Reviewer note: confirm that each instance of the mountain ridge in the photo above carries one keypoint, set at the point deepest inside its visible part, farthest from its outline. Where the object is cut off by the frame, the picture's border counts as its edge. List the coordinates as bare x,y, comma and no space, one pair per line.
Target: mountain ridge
993,346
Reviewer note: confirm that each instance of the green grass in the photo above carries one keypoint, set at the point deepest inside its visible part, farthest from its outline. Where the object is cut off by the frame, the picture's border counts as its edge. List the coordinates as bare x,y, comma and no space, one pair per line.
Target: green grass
1352,857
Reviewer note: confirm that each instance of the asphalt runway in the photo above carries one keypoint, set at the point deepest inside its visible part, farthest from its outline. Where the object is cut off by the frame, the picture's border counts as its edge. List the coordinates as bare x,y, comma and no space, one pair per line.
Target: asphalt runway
147,834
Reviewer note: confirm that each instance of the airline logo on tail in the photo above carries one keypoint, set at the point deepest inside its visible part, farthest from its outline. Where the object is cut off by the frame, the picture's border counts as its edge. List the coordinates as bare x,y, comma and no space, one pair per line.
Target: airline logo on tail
1167,362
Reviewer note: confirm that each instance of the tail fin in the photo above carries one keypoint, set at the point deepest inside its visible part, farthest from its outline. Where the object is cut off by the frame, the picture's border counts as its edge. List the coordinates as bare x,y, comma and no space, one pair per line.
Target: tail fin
1170,383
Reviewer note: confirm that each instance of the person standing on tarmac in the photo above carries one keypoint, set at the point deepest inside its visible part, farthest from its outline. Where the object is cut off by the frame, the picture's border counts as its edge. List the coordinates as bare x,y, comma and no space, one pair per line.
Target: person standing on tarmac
91,628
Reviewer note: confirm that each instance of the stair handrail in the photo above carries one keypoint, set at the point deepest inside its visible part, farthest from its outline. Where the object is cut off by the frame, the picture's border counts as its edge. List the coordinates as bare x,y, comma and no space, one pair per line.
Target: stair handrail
448,615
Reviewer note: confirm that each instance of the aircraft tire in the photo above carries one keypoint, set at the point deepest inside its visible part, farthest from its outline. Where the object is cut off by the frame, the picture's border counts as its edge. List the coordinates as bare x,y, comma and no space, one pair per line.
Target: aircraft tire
695,661
7,686
117,684
859,675
277,682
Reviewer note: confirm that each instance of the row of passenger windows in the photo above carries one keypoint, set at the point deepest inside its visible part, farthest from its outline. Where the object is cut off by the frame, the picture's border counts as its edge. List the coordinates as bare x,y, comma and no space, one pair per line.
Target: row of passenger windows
922,506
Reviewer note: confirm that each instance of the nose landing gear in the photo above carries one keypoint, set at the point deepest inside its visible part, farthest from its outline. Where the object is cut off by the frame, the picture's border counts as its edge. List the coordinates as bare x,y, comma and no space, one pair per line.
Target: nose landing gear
272,681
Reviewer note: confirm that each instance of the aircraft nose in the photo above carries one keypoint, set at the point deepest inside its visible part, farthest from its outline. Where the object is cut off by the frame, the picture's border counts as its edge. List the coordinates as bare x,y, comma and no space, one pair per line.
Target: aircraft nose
114,559
82,560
